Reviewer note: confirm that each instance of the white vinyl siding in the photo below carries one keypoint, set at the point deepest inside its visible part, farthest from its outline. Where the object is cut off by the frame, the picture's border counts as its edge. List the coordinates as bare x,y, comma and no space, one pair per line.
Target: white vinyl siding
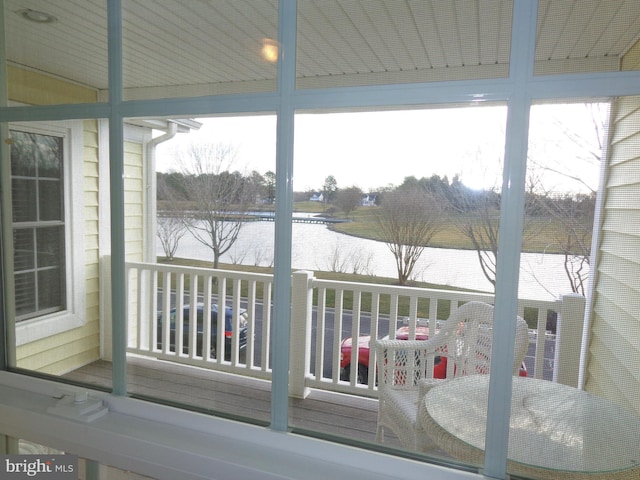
134,191
614,348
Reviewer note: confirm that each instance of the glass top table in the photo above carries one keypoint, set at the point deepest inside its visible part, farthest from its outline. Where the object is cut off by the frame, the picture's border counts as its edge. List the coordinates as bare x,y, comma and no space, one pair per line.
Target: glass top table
556,431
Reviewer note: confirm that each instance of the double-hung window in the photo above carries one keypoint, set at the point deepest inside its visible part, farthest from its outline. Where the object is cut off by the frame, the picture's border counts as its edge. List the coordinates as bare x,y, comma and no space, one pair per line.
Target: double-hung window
46,177
37,189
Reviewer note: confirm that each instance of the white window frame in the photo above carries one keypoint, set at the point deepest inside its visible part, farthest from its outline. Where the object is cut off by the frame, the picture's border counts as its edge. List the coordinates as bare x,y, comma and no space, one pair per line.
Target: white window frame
74,315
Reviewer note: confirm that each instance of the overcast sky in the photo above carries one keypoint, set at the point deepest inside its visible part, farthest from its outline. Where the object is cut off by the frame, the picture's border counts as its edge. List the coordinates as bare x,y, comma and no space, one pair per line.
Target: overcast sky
372,150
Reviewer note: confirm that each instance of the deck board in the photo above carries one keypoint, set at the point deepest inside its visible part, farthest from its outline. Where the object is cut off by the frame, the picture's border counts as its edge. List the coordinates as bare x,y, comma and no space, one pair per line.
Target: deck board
325,412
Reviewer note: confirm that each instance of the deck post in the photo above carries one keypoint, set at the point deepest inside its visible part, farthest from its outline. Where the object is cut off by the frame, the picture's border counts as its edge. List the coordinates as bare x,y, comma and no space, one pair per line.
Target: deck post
569,340
301,305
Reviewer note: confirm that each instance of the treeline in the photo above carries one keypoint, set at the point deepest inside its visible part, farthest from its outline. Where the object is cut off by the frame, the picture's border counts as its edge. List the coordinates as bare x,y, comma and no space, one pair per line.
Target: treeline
538,203
253,187
454,194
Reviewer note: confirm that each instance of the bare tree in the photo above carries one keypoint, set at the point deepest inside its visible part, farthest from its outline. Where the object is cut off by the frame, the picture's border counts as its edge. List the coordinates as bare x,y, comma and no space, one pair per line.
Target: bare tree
348,199
585,149
571,215
171,221
572,219
170,230
361,262
220,197
476,215
408,219
337,261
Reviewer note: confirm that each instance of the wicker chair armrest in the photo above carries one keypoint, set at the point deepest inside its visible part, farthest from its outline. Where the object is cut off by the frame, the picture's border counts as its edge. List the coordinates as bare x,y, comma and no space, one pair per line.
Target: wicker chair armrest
427,384
432,345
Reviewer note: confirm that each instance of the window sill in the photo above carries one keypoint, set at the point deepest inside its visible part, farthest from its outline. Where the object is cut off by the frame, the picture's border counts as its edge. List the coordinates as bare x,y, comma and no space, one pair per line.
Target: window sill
38,328
168,443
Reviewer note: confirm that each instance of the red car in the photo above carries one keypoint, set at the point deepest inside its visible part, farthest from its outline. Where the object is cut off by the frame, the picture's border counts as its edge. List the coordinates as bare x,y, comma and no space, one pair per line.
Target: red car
422,333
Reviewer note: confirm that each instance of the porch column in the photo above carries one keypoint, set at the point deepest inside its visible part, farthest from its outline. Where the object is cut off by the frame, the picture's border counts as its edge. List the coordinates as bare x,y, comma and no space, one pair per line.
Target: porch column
569,340
301,305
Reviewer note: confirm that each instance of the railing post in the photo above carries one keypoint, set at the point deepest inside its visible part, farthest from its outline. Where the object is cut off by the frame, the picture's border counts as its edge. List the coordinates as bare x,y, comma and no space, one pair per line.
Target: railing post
301,305
569,340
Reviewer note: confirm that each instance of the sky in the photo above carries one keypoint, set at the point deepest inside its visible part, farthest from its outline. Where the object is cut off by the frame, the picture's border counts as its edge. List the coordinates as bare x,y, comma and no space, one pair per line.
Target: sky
376,149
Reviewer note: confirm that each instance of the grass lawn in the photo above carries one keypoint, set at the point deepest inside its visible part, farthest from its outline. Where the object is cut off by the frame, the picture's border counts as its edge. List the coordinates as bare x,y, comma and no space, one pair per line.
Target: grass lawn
541,236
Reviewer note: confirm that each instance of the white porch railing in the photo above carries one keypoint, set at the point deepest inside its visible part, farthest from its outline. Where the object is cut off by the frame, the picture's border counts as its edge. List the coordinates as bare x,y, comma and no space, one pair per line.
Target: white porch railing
316,331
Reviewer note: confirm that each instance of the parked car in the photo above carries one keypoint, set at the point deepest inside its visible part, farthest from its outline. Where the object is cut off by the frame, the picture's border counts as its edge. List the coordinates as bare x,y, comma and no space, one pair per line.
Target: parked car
242,333
422,333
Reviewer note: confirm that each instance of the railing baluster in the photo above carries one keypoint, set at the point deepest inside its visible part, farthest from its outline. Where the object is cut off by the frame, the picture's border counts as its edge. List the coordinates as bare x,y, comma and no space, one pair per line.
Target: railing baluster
355,335
540,341
432,315
337,332
320,326
166,312
220,323
251,323
179,328
266,326
139,308
193,316
153,327
235,320
375,315
413,316
206,317
393,315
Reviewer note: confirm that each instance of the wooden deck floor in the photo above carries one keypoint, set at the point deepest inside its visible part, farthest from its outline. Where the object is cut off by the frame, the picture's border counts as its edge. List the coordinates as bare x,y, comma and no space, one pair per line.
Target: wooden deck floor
232,395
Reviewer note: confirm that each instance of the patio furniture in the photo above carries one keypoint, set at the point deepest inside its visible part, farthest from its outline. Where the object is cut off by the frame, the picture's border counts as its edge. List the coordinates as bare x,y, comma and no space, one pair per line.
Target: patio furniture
556,431
405,368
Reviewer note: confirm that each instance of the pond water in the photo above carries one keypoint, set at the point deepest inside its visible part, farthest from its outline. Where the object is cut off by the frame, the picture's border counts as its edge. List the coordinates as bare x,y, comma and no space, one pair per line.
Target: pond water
316,247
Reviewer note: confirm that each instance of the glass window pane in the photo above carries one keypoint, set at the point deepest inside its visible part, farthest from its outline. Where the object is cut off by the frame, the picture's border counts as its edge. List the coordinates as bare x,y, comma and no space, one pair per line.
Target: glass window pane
580,155
50,247
214,198
24,195
50,42
25,286
174,49
23,249
49,156
23,157
50,289
596,36
346,43
400,207
50,199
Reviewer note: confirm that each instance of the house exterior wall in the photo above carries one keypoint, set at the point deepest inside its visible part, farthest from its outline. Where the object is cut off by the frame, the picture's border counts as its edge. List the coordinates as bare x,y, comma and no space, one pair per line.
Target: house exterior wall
134,196
63,352
614,345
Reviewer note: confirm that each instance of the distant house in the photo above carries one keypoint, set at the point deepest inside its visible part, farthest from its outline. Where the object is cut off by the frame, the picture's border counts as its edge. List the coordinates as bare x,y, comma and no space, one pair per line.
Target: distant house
369,200
317,197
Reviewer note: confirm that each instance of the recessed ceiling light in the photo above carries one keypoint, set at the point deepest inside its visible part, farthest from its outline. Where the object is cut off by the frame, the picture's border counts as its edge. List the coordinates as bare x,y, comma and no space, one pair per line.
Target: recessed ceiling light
269,50
36,16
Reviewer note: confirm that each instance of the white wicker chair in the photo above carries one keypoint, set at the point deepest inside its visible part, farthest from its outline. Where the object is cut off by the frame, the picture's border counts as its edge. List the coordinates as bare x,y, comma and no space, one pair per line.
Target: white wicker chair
405,368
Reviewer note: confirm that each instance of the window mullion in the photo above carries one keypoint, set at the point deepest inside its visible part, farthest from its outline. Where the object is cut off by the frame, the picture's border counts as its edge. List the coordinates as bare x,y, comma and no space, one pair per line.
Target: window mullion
116,170
510,238
284,207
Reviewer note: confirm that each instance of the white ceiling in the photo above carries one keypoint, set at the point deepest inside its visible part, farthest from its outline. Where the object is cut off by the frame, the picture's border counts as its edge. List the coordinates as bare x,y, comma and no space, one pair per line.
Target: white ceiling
213,46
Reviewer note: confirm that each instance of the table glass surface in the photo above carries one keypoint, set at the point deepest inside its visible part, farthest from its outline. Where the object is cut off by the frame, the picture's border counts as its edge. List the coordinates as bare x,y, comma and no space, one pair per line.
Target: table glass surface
552,426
